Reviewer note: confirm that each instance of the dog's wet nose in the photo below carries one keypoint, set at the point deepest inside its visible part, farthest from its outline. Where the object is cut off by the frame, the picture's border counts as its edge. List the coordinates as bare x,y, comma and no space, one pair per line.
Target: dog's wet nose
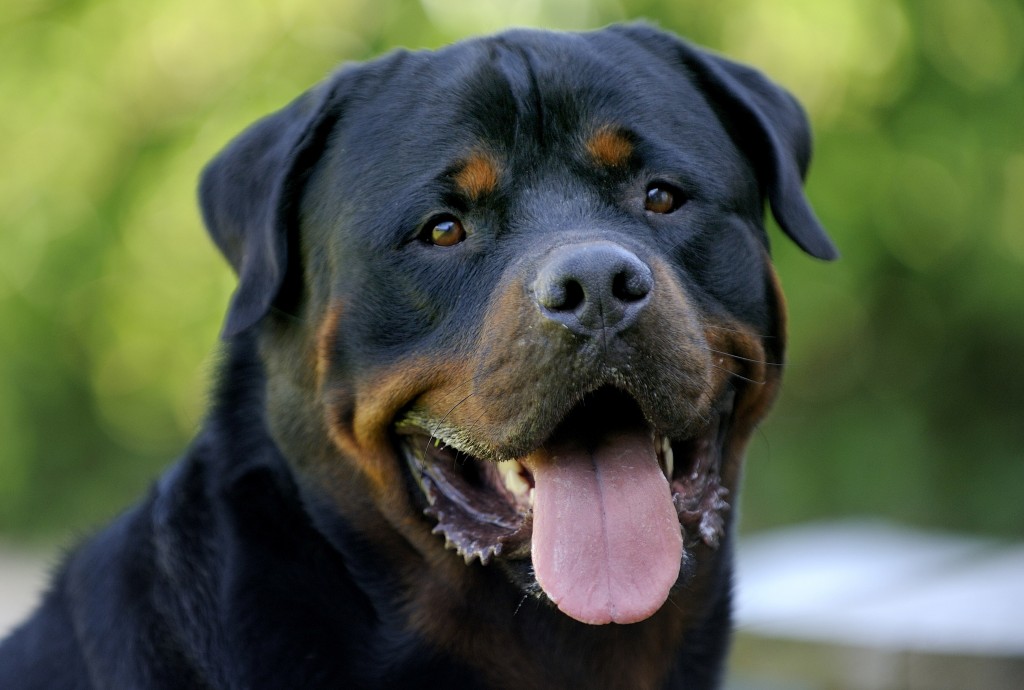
593,287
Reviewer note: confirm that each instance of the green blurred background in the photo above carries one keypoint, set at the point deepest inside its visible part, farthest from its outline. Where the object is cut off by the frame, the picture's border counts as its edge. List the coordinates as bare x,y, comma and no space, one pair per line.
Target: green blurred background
905,390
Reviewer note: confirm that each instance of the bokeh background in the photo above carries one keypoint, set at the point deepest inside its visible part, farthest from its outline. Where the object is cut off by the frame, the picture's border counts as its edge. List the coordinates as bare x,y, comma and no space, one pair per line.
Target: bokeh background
905,389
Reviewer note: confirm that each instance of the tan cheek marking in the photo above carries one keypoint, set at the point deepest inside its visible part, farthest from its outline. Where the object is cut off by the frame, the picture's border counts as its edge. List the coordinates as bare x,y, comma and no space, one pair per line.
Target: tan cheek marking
478,175
782,313
609,148
754,362
327,340
360,422
758,356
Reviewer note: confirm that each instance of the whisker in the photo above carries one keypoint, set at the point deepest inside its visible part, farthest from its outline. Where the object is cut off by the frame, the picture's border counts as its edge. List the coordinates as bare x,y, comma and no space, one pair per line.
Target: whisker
696,410
737,330
472,425
739,376
745,359
433,432
678,607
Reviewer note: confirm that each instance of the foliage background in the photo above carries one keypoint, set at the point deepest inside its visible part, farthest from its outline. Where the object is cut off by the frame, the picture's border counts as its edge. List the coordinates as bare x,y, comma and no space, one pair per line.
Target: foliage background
905,388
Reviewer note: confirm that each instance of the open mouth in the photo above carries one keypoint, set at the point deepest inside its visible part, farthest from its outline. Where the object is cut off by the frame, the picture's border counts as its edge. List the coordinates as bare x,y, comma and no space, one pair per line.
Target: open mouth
604,507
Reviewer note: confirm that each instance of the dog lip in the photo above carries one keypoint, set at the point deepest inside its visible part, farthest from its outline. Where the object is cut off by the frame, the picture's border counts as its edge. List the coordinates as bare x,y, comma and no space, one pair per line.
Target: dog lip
697,492
482,513
478,514
433,431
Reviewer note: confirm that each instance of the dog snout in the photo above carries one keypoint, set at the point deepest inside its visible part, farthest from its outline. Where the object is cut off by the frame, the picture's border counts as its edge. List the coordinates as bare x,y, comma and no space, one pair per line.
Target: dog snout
593,288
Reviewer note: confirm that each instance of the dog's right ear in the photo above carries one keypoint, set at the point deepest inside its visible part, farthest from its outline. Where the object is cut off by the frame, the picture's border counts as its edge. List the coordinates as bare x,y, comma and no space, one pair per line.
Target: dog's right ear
250,195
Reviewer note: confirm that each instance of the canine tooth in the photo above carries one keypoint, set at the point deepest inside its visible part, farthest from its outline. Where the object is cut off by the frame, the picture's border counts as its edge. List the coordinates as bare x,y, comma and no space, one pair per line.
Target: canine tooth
512,474
667,457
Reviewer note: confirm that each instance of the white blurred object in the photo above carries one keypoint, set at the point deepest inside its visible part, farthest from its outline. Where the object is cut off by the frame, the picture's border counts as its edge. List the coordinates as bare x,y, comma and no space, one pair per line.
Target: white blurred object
23,576
873,585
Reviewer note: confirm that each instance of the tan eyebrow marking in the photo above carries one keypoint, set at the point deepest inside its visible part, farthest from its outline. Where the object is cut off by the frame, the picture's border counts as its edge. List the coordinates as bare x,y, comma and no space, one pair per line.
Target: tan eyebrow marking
609,147
478,175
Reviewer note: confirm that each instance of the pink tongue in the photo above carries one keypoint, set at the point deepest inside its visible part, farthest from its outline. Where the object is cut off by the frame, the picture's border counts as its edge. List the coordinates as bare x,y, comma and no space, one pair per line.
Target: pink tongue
606,538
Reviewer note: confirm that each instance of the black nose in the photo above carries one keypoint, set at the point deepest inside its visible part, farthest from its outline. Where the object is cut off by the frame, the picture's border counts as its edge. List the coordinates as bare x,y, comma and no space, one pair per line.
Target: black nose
593,287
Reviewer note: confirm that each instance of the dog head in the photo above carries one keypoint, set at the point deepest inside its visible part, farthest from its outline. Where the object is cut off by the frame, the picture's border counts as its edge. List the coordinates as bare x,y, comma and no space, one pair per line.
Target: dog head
515,303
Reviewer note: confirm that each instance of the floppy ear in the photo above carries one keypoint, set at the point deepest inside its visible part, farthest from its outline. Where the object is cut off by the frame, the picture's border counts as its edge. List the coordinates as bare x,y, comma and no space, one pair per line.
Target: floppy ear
782,125
250,196
769,123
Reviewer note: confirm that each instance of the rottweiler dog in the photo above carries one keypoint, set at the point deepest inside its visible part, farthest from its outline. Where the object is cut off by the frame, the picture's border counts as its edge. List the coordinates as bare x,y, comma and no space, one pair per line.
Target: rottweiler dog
505,321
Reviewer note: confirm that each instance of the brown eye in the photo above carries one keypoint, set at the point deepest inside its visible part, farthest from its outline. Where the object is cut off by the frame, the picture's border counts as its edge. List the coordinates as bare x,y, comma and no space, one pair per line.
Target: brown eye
662,198
444,231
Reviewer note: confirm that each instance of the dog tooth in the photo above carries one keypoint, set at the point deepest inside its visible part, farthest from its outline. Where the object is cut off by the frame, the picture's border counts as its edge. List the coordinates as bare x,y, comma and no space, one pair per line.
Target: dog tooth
668,458
512,474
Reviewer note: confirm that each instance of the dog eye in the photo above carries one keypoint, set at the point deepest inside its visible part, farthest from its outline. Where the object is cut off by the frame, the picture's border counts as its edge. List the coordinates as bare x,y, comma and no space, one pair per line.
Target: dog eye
662,198
443,231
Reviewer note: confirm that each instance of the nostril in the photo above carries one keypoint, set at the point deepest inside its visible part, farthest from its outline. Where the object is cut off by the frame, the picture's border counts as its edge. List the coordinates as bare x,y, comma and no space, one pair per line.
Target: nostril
592,287
562,294
630,286
574,296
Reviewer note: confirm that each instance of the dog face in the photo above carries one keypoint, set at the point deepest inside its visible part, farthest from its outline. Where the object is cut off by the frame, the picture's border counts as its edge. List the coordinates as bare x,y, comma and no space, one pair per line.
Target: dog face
515,305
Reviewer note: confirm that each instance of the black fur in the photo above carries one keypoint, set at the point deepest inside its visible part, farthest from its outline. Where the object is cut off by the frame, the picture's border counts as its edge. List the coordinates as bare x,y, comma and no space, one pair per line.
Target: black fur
239,570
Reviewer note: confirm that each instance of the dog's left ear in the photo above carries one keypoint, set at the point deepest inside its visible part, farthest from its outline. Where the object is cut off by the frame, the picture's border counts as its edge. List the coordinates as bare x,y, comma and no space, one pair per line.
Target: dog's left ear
782,124
250,195
771,126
